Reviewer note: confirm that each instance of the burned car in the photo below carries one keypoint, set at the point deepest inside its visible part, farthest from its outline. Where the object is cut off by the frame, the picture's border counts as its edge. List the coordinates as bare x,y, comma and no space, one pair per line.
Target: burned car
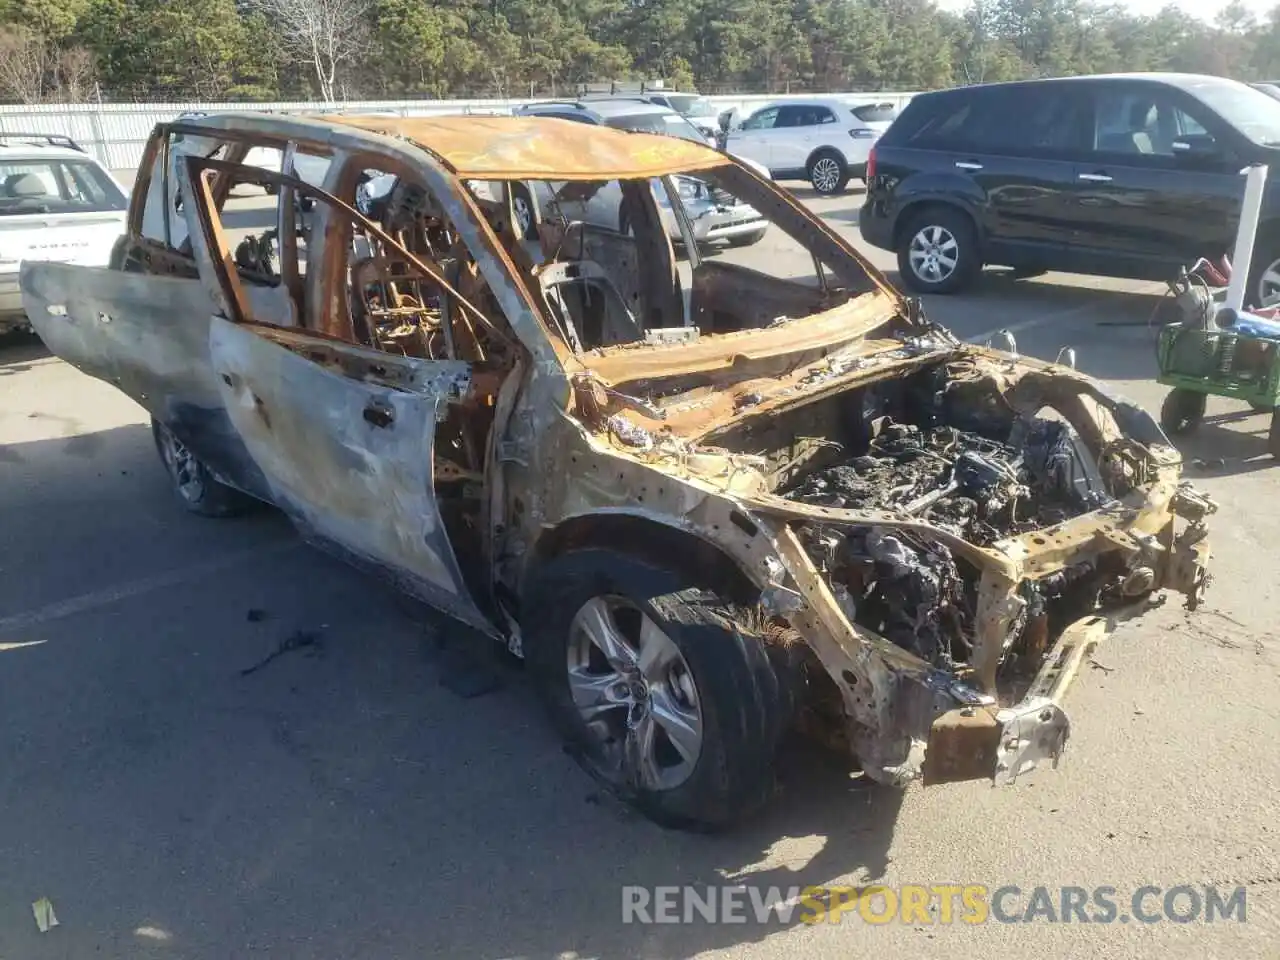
708,505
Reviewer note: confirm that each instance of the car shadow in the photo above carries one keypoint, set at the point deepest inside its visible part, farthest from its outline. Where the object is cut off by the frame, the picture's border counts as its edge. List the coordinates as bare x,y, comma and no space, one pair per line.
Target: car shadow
18,349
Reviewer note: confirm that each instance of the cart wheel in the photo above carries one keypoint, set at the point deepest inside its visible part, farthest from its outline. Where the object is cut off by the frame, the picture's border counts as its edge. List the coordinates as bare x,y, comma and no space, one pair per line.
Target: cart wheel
1273,437
1182,411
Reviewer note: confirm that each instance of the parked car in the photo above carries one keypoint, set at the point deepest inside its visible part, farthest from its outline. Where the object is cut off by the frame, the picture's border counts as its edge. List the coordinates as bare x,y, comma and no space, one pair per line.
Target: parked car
714,216
697,109
1125,176
56,203
823,141
783,502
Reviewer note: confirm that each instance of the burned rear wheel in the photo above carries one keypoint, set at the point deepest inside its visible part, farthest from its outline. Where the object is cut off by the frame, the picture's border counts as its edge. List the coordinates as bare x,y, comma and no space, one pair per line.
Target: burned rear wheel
1182,411
660,692
193,483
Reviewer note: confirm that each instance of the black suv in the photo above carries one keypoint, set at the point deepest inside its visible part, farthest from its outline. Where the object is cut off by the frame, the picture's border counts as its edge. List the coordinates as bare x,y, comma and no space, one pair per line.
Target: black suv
1124,176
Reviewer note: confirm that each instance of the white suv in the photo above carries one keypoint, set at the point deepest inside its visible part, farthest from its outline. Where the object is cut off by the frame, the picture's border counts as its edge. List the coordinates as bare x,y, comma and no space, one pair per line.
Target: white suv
823,141
56,203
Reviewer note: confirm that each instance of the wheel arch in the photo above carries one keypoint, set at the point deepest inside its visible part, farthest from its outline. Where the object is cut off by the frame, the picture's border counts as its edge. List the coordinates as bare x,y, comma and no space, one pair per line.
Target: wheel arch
645,538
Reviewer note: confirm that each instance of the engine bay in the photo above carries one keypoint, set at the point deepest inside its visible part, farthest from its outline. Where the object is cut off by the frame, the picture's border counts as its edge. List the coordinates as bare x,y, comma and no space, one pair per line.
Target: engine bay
952,452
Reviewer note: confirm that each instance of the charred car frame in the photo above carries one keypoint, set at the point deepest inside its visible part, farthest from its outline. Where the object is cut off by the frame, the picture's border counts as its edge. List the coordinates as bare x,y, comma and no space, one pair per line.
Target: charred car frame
707,505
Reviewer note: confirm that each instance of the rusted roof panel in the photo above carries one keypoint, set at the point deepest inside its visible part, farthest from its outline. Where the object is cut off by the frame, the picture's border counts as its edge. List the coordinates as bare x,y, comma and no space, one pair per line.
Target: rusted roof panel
542,148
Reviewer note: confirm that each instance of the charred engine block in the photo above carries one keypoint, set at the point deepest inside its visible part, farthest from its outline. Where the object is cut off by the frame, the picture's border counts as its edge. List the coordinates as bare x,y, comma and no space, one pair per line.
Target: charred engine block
908,587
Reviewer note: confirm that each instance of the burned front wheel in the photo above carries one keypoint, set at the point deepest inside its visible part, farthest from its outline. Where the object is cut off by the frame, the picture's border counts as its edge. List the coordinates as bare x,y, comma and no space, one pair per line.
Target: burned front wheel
193,484
1182,411
660,693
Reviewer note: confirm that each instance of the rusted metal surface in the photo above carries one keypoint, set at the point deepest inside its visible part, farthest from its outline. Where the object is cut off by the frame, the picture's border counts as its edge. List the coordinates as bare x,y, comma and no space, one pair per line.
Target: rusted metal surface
963,744
520,148
690,453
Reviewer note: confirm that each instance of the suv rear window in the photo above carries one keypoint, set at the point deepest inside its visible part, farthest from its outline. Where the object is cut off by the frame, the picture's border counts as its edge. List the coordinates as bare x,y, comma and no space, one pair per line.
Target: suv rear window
875,112
56,186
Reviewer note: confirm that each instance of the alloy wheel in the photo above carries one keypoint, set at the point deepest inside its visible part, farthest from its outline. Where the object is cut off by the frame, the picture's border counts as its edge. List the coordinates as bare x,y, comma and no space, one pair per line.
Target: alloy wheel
636,695
524,216
825,174
1269,285
933,254
183,467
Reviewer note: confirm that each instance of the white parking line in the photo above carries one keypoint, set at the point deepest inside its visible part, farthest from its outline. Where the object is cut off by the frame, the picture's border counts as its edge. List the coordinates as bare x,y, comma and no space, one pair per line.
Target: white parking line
137,588
1015,328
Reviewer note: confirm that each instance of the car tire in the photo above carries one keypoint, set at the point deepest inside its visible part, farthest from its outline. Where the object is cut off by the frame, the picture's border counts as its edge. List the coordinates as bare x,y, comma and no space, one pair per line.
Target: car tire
193,483
715,681
828,173
946,235
522,210
1264,274
1182,411
745,240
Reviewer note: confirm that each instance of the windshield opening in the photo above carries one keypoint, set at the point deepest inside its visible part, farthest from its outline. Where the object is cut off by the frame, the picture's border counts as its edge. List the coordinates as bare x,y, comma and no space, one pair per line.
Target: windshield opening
671,260
666,124
1250,111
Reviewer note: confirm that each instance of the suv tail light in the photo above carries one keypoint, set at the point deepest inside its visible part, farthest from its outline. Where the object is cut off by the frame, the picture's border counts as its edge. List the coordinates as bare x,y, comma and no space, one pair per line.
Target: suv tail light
862,133
871,164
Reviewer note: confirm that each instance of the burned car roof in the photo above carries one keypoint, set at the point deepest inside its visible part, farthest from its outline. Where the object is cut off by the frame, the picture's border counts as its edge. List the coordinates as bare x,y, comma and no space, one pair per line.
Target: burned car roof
501,148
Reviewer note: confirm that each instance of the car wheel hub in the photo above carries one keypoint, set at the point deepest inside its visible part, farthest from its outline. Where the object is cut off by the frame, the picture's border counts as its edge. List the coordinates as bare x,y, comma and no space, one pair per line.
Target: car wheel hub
933,254
1269,285
524,215
183,467
635,694
826,174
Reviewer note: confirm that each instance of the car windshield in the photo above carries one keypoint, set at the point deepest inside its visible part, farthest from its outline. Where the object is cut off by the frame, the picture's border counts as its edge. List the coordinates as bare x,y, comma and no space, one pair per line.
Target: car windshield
667,124
691,105
1251,111
40,185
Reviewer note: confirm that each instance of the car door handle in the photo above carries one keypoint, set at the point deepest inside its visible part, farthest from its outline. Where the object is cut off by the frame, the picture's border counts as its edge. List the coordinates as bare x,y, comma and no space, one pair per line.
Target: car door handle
1094,177
968,165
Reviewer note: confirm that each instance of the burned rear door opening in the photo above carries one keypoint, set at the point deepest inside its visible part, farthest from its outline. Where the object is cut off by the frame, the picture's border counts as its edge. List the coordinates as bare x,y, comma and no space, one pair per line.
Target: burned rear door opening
710,491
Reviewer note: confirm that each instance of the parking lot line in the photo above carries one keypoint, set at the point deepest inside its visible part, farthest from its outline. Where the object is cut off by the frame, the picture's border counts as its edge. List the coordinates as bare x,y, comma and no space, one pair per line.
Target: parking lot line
135,588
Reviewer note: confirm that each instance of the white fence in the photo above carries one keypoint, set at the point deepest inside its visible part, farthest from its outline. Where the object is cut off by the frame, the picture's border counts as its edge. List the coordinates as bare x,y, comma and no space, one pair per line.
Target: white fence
117,132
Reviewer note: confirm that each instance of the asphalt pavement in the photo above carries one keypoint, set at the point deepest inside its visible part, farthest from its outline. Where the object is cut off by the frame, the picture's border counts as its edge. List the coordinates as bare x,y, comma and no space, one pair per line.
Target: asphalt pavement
216,742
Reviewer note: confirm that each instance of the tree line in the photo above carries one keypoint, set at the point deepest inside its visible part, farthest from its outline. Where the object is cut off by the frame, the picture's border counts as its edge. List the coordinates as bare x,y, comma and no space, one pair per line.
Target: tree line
75,50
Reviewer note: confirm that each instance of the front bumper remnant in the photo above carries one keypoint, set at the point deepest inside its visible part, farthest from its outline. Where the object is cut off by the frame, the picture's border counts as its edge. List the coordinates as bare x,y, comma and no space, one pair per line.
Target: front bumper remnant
973,742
